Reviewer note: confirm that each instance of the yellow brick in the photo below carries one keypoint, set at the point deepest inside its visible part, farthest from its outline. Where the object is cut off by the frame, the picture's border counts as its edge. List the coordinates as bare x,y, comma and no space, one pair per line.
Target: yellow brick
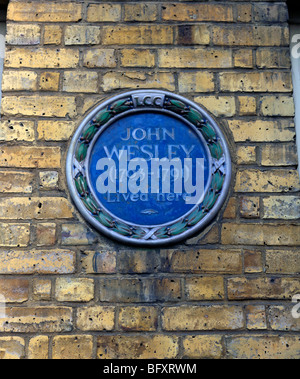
74,289
52,35
271,58
49,81
267,181
195,58
45,234
256,317
192,35
41,106
247,105
22,208
137,347
197,12
14,235
38,347
41,57
104,13
261,131
130,80
282,207
37,262
55,130
218,105
82,35
44,12
205,288
96,318
196,82
22,130
138,35
243,58
76,81
244,12
29,34
48,179
246,154
277,106
99,58
72,347
41,289
16,182
282,262
30,157
137,58
12,348
19,81
203,347
138,318
140,12
279,155
256,82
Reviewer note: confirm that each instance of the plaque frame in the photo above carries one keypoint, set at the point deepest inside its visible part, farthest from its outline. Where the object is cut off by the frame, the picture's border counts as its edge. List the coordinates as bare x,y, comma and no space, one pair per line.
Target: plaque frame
132,102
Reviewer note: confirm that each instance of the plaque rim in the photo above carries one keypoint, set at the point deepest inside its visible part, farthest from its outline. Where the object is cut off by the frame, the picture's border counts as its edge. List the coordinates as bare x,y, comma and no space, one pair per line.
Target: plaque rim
185,234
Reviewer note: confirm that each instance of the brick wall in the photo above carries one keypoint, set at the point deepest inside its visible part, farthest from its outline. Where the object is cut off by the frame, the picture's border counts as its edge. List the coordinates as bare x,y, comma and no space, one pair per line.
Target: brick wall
70,292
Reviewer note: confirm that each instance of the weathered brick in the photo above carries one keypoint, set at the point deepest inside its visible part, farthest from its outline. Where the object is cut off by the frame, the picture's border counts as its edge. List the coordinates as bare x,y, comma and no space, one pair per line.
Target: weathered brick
96,318
104,13
52,35
277,106
273,58
244,12
262,288
197,12
272,35
14,235
44,12
55,130
40,106
270,12
138,35
218,105
99,262
99,58
45,234
14,290
282,207
256,317
72,347
19,130
250,207
82,35
142,290
137,347
195,58
253,261
37,320
279,155
19,81
247,105
256,82
196,82
80,81
243,58
205,288
192,35
41,289
281,318
203,347
48,180
25,34
137,58
16,182
138,262
280,180
41,57
263,347
257,234
140,12
282,262
113,81
77,234
49,81
74,289
22,208
203,261
12,348
37,262
138,318
246,155
190,318
261,131
38,347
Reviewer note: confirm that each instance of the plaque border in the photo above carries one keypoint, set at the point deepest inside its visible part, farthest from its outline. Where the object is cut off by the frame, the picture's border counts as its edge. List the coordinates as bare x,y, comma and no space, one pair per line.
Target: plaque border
127,103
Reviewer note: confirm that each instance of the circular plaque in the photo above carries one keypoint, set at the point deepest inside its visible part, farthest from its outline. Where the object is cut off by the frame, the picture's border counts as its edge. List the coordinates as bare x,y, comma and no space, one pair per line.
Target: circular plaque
148,168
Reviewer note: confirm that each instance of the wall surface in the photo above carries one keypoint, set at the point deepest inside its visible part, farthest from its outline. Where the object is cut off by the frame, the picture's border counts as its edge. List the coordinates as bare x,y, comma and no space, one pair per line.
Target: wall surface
72,293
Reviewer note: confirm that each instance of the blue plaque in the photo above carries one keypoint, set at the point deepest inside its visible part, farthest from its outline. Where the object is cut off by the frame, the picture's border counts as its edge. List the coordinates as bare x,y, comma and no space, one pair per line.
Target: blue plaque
149,168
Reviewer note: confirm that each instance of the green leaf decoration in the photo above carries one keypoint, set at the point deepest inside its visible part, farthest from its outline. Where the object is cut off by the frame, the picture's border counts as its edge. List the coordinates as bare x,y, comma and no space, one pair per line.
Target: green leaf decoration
196,216
81,152
81,185
91,205
89,134
210,200
217,181
194,117
105,219
121,106
176,106
123,229
102,117
177,228
208,132
216,150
